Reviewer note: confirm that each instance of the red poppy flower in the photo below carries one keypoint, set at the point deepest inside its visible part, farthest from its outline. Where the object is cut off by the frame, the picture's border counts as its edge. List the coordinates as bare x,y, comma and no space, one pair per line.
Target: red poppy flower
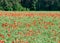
26,42
1,41
1,35
8,35
4,24
28,25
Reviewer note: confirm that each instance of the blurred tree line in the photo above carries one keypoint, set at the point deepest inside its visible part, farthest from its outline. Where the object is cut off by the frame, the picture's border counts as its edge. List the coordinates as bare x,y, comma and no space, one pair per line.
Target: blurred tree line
30,5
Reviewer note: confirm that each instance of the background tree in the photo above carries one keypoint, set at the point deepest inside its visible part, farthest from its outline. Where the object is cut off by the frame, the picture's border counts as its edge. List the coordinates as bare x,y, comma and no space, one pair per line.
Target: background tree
30,5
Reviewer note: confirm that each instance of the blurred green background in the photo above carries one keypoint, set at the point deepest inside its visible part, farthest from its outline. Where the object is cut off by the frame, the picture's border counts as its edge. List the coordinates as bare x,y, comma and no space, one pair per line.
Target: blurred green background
30,5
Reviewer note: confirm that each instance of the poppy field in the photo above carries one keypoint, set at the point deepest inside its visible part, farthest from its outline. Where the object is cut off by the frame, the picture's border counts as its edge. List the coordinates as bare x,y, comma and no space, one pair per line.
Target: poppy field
29,27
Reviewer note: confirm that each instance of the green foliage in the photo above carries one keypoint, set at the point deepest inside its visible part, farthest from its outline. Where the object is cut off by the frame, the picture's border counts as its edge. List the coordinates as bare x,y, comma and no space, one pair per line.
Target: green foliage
26,5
